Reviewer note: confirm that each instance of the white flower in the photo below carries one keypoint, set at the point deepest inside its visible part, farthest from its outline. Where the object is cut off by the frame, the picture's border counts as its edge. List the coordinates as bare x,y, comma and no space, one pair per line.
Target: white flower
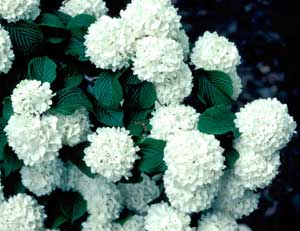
156,58
243,227
162,217
31,97
6,53
109,43
21,212
135,223
111,153
74,128
17,10
70,178
42,179
156,18
186,200
175,87
138,195
265,125
217,222
170,120
236,85
194,159
95,223
214,52
95,8
34,139
182,38
253,170
237,207
1,191
103,198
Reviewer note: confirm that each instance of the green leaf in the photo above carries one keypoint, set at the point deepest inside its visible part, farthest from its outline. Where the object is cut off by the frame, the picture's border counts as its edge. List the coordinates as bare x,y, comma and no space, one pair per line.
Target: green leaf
50,20
152,154
231,156
43,69
3,138
11,163
7,108
215,87
68,100
79,25
72,205
108,90
141,96
217,120
110,117
73,81
26,37
64,18
76,48
58,221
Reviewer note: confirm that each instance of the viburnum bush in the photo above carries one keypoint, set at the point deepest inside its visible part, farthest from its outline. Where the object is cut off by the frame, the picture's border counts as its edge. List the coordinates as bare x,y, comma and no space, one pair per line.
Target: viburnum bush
111,122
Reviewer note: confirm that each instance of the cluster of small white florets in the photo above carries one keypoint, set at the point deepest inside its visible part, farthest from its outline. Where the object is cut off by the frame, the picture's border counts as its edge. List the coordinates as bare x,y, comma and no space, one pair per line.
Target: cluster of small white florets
1,190
37,137
214,52
21,212
172,119
42,179
135,223
111,153
149,34
162,217
75,127
6,53
195,164
96,8
17,10
137,196
217,222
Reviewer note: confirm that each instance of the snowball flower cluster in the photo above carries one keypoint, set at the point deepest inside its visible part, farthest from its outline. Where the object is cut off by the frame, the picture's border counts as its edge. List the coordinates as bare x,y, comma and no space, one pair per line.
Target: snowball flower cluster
74,128
156,18
31,97
156,58
195,164
214,52
217,222
109,43
95,223
35,139
42,179
95,8
103,198
162,217
137,196
21,212
237,86
1,191
265,125
170,120
135,223
111,153
243,227
6,53
17,10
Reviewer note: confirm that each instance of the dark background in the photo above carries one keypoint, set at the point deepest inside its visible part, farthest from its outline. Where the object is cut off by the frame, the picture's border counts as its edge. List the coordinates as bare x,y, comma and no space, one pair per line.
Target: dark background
266,33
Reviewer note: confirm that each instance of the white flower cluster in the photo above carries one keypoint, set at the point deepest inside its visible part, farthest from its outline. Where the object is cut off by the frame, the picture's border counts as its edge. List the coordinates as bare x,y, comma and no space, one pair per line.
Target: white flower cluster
1,190
111,153
149,34
243,227
214,52
31,97
135,223
162,217
217,222
17,10
95,8
137,196
35,139
6,53
21,212
195,164
74,128
42,179
172,119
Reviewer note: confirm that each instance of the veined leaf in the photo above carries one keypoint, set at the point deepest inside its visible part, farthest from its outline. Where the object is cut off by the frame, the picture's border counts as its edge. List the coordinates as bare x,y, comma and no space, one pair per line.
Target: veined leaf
110,117
50,20
79,25
43,69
